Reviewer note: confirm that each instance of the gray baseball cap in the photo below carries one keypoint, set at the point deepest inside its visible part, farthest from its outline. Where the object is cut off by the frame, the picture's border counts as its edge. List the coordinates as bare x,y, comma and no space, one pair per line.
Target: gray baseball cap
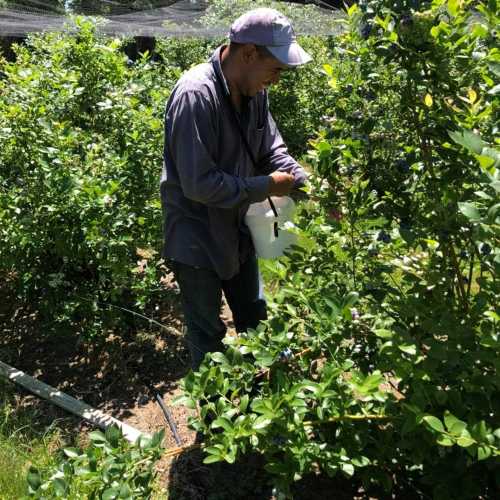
273,30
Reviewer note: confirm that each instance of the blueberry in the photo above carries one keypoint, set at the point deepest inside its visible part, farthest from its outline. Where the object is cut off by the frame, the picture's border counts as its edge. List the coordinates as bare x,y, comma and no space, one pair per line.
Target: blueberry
384,237
405,225
370,96
279,440
406,20
464,254
366,30
485,249
403,165
286,355
348,88
354,314
444,234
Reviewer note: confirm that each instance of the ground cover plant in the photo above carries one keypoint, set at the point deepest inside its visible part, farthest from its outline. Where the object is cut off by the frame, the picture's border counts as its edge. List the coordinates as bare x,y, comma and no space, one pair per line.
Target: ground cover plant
23,441
380,360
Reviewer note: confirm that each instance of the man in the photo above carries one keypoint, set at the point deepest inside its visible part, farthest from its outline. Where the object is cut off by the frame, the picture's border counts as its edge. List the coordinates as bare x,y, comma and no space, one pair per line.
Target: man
222,152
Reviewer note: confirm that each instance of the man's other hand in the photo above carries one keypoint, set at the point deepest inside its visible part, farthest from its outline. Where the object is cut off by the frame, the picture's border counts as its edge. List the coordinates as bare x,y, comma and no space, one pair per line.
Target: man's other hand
281,184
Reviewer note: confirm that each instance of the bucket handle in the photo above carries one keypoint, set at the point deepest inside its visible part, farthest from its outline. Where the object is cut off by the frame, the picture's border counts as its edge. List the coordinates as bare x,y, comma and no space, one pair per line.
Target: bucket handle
276,229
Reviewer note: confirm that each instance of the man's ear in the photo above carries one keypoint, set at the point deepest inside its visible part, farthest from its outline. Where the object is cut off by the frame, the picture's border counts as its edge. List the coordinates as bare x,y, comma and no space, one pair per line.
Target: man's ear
249,53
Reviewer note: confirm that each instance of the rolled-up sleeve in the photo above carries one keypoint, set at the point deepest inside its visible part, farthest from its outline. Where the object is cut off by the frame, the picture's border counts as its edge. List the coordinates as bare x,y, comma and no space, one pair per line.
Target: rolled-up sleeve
274,153
191,132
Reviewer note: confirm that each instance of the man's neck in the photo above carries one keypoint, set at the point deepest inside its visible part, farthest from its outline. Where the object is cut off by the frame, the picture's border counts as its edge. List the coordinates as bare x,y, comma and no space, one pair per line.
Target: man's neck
230,74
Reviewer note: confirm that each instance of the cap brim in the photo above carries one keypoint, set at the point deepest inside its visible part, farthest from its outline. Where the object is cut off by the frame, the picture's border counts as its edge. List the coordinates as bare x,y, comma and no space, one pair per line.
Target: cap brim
291,55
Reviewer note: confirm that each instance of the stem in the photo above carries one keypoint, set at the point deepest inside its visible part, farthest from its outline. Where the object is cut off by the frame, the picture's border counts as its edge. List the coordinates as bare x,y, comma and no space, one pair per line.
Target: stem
471,269
172,452
348,417
460,278
353,256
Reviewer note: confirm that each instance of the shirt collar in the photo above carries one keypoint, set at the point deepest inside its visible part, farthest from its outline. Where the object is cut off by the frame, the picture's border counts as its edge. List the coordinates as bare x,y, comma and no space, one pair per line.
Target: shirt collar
216,63
215,60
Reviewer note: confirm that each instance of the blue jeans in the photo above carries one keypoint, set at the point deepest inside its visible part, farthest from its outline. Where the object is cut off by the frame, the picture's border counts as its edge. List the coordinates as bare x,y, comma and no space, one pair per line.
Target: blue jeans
201,295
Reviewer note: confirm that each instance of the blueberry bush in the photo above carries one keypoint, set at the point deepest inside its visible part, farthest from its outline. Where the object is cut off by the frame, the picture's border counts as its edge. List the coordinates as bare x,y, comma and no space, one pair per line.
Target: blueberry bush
108,468
81,133
81,128
380,357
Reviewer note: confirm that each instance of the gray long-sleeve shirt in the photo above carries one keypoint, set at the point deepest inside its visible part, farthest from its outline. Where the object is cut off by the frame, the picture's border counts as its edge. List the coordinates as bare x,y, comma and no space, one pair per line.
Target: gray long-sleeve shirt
208,179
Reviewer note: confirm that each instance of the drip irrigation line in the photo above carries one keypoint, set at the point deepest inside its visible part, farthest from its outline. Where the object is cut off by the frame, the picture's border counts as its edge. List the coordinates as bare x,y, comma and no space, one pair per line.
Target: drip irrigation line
169,329
168,418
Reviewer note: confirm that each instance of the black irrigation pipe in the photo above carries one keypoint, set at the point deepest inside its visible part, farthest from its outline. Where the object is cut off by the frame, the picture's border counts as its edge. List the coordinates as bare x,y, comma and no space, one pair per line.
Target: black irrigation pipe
168,418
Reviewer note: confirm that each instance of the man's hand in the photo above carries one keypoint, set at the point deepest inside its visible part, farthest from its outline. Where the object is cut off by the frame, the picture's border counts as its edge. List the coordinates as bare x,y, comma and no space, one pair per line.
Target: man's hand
281,184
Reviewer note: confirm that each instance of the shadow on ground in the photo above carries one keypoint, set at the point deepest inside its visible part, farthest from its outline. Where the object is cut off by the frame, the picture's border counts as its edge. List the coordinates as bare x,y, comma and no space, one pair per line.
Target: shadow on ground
246,479
116,373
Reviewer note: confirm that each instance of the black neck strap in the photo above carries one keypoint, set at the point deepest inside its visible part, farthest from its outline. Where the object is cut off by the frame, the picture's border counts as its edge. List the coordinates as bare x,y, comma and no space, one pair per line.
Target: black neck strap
237,121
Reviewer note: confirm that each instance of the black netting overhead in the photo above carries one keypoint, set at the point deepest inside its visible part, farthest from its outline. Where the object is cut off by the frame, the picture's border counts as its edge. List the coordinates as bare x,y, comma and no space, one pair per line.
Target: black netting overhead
203,18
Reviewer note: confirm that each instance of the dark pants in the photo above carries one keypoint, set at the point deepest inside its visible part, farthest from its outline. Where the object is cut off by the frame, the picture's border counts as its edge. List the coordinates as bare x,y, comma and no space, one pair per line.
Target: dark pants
201,294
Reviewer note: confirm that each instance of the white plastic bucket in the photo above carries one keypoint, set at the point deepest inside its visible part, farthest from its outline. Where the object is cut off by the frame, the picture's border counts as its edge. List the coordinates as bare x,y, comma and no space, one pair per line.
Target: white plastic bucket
260,219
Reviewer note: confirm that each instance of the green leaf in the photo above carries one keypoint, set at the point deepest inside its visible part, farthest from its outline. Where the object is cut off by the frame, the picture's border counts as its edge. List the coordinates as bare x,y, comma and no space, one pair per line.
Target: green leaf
218,357
383,333
125,491
469,210
483,452
60,486
212,458
261,422
33,478
222,422
110,494
454,425
408,348
352,9
244,403
350,299
157,438
328,69
485,161
347,469
453,7
71,452
434,423
185,400
465,441
469,140
97,437
444,440
113,435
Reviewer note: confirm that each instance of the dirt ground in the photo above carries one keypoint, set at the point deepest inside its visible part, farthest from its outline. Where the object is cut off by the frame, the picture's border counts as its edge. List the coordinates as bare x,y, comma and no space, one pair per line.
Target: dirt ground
121,377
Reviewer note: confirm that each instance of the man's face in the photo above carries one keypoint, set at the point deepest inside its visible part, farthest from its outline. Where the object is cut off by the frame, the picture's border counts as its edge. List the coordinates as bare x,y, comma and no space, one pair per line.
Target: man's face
260,71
